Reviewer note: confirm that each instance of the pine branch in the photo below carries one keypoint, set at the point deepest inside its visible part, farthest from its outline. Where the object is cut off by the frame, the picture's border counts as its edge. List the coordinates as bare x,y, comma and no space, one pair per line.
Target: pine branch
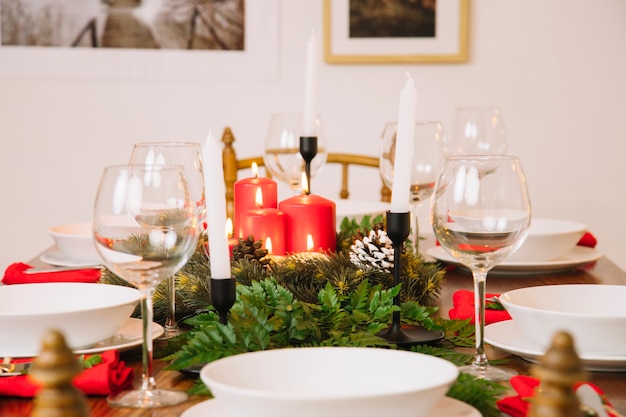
479,393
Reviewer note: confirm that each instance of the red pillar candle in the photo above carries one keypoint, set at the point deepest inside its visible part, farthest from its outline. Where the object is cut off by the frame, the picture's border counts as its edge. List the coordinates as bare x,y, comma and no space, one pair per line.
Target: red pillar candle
265,224
232,241
309,215
244,194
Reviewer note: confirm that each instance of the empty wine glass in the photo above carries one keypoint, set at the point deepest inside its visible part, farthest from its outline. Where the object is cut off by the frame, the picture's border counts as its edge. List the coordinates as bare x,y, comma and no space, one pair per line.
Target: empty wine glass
480,220
476,131
145,230
187,155
282,149
425,164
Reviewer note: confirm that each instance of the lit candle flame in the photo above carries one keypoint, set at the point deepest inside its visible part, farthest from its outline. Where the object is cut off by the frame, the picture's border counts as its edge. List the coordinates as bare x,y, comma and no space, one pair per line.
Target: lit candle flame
229,228
309,242
258,200
255,170
305,183
268,245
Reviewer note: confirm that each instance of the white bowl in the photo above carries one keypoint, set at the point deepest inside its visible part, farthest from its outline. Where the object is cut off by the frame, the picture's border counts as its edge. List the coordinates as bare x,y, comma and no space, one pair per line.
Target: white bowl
329,381
593,314
76,241
85,313
548,239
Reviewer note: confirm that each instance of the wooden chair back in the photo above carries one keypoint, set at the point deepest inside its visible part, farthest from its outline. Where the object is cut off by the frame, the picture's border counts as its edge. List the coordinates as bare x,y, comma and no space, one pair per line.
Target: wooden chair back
232,166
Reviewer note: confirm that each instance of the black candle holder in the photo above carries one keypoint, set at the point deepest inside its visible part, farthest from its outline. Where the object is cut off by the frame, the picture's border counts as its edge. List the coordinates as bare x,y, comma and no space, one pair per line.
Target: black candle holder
223,296
398,228
308,150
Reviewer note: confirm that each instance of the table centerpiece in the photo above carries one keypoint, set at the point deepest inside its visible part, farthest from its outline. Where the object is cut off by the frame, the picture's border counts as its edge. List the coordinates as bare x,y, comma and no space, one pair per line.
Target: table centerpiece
343,298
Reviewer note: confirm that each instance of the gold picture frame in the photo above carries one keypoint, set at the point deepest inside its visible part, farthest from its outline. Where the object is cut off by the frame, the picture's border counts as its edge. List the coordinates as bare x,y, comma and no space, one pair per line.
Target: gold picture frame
450,45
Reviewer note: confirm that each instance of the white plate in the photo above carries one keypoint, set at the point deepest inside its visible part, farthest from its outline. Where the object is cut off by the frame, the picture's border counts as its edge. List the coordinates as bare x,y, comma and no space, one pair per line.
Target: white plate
508,336
58,258
128,336
578,256
448,407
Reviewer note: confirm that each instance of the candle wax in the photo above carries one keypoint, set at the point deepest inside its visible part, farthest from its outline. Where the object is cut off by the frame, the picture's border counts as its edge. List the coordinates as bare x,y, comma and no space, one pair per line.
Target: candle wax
309,214
264,223
244,197
219,252
404,148
310,87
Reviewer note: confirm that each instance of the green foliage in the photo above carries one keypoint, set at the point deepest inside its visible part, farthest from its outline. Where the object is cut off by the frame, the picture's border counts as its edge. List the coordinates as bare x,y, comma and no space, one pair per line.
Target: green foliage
451,355
479,393
458,332
266,315
91,361
494,304
350,228
305,276
302,300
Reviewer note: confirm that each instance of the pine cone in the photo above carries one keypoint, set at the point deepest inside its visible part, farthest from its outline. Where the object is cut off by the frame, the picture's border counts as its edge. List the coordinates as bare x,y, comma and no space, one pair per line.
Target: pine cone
373,250
250,250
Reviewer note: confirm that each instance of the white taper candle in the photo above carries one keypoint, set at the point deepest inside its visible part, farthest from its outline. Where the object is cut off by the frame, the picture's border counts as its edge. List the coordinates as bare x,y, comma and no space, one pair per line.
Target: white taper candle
309,113
404,148
216,207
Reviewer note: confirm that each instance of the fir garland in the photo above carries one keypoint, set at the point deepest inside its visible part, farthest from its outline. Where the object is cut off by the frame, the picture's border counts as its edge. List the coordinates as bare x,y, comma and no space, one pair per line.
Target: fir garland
304,276
326,300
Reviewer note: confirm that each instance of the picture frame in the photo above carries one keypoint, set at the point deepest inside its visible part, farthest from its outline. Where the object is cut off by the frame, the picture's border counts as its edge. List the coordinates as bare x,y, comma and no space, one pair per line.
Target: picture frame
257,62
448,45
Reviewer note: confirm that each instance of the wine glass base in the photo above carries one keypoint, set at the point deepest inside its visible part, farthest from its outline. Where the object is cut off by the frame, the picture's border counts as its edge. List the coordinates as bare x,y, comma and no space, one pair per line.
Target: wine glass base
147,399
489,372
170,332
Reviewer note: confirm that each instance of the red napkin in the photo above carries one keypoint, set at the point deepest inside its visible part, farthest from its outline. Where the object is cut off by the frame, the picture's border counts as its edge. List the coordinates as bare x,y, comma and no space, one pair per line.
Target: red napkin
14,274
108,377
588,240
517,406
463,301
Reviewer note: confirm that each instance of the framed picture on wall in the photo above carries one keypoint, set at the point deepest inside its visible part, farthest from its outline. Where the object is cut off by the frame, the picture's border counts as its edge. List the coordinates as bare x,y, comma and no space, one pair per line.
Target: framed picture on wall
395,31
132,39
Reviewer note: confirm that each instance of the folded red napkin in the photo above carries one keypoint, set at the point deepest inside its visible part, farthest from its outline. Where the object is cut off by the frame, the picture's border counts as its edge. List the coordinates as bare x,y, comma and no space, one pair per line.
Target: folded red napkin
588,240
108,377
463,301
518,405
14,274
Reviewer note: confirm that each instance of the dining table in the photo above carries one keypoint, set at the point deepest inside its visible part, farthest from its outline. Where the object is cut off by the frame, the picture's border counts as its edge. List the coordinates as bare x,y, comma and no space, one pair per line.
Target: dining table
602,271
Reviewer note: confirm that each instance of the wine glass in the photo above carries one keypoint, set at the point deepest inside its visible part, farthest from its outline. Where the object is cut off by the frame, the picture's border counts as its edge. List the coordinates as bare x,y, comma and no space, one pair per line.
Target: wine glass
476,131
426,164
480,220
282,149
145,230
187,155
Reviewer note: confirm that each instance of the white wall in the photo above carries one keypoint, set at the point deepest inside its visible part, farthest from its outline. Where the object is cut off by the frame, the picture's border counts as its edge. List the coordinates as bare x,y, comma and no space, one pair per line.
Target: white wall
556,68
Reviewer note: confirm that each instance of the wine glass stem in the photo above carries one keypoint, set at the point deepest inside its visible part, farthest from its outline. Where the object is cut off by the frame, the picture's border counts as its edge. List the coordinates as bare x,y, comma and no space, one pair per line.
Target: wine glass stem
170,321
147,378
415,208
480,284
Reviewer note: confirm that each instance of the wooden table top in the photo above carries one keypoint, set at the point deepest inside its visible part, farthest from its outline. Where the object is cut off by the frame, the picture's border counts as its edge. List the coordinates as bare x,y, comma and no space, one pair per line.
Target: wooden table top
603,271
